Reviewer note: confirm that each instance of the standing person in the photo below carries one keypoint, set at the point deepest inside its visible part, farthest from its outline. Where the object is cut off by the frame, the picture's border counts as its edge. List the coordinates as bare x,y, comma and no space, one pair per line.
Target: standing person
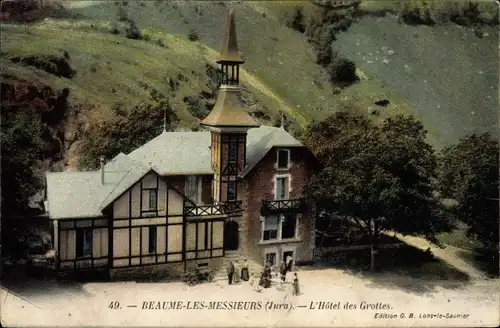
244,271
230,272
267,275
236,275
283,269
289,262
296,290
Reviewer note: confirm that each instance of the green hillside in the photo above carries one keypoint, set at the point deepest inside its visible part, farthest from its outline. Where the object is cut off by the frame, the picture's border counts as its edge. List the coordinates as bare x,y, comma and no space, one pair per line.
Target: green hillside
173,59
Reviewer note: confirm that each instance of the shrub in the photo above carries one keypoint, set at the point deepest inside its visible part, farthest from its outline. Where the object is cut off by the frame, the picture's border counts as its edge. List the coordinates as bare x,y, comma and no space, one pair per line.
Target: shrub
193,36
196,107
297,21
342,71
133,31
114,29
160,43
324,56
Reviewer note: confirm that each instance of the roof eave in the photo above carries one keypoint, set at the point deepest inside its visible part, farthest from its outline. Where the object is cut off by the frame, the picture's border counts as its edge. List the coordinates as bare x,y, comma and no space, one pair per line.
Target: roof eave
85,217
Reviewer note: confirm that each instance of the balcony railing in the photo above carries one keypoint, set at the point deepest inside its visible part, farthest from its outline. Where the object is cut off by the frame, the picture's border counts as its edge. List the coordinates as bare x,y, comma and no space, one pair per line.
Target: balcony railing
215,209
282,206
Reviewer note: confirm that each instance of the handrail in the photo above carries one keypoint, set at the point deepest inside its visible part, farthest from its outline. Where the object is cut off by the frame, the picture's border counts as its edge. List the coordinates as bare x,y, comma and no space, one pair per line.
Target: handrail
214,209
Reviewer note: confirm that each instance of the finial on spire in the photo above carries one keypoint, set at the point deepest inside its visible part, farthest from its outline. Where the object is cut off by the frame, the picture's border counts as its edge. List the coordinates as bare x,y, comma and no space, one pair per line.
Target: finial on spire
282,123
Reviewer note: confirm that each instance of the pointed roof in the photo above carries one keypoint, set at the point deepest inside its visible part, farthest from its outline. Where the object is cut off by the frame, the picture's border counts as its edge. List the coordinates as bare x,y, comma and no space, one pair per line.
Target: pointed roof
230,51
229,110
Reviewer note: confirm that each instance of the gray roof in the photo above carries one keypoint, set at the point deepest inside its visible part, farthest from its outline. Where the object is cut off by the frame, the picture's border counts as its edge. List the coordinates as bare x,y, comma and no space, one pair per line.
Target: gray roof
81,194
176,153
261,140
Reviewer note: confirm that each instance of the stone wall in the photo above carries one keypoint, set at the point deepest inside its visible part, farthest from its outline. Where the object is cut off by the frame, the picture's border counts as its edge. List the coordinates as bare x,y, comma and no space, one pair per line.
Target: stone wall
260,185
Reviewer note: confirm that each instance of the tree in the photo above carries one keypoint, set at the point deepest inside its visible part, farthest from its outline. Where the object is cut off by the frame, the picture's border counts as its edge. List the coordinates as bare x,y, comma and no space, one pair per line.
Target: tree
469,175
380,176
21,146
126,132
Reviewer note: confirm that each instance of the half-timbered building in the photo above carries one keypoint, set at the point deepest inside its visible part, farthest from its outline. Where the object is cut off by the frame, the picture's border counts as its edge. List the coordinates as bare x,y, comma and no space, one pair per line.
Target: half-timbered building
189,199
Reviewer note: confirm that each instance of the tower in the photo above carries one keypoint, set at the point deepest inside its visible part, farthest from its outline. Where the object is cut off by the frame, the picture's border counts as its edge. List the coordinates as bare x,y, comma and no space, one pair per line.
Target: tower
228,122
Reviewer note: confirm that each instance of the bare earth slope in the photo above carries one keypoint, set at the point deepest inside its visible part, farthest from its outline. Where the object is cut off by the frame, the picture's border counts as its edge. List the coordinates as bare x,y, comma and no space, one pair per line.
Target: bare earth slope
447,74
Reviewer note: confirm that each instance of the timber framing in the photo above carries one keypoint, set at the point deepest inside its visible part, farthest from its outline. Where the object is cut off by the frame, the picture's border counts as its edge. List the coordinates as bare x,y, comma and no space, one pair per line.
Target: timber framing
166,220
283,206
207,242
96,262
229,168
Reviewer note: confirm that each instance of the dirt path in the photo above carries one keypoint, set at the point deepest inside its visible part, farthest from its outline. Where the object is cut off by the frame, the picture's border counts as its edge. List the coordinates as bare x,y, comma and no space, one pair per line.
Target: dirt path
450,255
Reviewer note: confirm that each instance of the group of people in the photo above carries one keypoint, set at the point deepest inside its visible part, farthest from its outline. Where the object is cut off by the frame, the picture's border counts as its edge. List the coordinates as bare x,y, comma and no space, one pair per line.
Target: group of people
234,275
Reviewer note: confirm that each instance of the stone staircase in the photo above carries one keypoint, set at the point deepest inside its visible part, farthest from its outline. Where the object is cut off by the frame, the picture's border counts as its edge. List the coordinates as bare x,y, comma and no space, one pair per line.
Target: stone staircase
221,273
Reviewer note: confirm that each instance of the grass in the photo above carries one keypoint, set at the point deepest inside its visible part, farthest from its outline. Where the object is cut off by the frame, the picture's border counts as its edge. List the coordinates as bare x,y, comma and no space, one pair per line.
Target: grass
112,70
472,251
458,238
486,8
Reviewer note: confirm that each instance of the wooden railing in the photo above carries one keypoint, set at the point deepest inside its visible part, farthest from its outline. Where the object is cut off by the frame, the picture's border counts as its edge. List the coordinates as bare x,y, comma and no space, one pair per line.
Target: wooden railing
284,205
215,209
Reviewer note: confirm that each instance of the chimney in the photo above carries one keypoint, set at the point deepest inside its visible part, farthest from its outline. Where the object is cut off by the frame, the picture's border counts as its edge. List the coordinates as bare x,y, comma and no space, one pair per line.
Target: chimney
102,169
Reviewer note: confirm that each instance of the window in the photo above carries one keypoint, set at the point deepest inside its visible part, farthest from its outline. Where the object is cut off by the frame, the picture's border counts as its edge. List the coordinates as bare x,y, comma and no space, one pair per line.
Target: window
283,158
281,188
231,190
232,152
271,257
84,242
193,187
152,240
271,224
153,199
288,226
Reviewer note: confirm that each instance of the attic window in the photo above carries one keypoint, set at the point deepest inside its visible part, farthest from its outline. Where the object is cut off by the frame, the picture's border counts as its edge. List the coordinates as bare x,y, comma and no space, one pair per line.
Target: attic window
283,158
153,199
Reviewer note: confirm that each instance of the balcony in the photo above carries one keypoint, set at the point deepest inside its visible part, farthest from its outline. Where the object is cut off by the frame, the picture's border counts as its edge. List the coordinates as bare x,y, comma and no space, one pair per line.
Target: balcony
283,206
225,208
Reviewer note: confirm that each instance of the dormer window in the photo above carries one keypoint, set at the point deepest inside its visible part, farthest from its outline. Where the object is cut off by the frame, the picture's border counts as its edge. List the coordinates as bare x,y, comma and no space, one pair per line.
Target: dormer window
283,158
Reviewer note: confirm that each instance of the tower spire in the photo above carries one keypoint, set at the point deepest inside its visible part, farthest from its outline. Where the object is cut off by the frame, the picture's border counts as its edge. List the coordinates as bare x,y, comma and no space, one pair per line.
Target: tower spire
228,110
229,53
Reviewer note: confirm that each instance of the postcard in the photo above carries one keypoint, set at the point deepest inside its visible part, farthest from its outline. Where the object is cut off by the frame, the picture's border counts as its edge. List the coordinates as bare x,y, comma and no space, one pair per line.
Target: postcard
325,163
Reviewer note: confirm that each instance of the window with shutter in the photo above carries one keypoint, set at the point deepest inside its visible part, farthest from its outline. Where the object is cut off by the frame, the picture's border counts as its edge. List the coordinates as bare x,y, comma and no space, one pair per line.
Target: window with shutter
271,226
84,241
281,188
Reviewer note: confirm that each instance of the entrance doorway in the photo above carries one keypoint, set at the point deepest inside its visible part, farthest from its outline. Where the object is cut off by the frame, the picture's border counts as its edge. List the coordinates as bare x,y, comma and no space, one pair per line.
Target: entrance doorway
231,236
287,254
